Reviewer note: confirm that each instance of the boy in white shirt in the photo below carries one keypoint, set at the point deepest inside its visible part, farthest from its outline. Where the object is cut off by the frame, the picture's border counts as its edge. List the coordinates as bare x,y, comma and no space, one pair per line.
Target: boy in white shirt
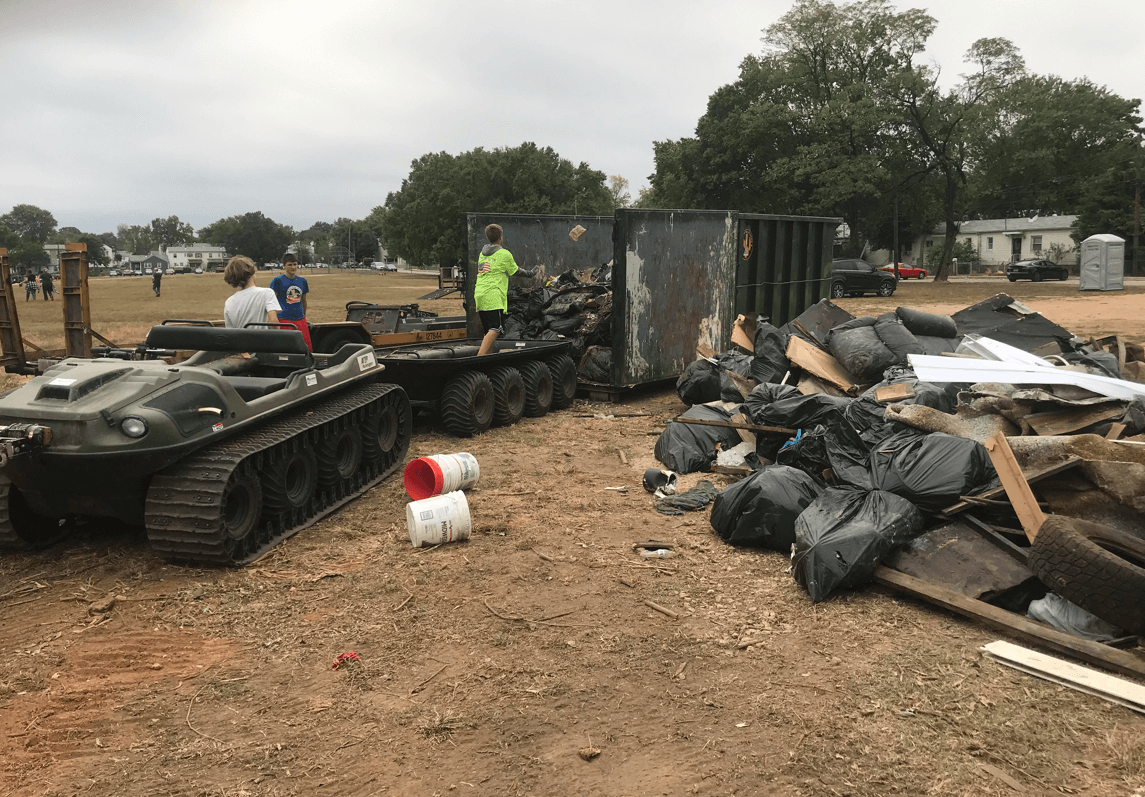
249,303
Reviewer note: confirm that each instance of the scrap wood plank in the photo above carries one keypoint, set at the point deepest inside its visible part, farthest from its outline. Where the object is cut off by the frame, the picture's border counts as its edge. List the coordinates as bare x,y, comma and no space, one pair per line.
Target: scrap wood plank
743,332
742,384
810,384
751,427
1115,431
705,351
744,434
1017,488
903,390
1070,420
1032,477
1026,630
819,363
1084,679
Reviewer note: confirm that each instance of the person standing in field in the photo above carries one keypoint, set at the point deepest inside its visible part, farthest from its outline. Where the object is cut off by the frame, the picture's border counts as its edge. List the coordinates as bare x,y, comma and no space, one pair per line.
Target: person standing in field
290,290
156,279
491,291
30,286
249,303
49,288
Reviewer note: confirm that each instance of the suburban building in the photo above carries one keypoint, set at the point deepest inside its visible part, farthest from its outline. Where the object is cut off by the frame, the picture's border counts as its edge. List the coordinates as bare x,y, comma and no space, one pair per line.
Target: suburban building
139,264
198,255
1001,241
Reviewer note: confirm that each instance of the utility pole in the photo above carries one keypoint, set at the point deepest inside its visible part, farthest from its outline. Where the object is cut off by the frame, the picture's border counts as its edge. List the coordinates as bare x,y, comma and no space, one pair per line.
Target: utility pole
895,254
1136,224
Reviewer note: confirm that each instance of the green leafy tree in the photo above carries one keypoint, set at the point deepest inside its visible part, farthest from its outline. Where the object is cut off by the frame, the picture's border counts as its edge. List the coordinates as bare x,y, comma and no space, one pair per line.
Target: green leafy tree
1050,140
170,231
28,254
948,124
30,222
261,239
95,254
424,221
138,240
356,238
618,188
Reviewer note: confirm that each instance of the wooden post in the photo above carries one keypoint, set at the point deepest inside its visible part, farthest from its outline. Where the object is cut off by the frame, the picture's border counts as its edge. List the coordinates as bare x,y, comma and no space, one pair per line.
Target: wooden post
1017,488
77,309
11,339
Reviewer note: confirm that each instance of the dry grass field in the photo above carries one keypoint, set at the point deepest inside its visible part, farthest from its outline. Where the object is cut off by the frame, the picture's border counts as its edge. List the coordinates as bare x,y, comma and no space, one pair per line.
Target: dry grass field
124,308
497,666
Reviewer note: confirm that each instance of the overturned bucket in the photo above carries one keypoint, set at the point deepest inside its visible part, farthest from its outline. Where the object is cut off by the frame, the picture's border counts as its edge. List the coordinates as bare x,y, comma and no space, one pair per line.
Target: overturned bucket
439,474
441,518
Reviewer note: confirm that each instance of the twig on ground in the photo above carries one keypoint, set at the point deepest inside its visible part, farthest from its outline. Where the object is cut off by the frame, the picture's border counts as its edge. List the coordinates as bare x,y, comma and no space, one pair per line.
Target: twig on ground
421,686
662,610
544,556
431,548
190,706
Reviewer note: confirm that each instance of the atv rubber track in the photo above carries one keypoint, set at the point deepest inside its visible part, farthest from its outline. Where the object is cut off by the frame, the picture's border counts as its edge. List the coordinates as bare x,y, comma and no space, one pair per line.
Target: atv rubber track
184,503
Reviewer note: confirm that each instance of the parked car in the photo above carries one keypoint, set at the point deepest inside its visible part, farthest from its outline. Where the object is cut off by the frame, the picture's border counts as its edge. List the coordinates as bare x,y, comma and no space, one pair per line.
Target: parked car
1036,270
906,272
113,273
856,277
198,269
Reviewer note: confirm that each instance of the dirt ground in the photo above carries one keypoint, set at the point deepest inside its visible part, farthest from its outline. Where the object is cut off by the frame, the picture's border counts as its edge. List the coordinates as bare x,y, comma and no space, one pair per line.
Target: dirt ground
486,667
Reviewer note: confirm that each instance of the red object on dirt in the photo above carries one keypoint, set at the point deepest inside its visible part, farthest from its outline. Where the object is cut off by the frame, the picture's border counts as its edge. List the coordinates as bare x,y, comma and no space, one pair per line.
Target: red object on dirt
345,657
423,478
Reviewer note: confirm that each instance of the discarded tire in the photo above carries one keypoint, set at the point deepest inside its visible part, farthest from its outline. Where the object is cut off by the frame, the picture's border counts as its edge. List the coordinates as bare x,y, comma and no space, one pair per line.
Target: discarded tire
467,404
538,388
1100,569
508,395
563,371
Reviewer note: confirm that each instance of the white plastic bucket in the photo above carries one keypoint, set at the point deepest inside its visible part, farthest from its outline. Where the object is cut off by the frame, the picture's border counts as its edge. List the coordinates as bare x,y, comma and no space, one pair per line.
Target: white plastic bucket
442,518
440,474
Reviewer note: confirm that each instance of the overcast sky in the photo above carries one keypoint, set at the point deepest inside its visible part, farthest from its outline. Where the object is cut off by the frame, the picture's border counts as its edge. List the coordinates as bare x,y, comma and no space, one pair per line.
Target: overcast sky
118,111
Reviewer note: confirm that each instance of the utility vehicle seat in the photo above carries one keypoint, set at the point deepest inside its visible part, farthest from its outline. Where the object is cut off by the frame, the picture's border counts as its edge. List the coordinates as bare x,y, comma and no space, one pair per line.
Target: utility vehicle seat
250,388
285,342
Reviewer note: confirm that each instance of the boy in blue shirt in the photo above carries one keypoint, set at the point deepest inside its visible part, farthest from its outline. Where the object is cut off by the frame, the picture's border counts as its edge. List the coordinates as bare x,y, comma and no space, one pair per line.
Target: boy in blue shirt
291,291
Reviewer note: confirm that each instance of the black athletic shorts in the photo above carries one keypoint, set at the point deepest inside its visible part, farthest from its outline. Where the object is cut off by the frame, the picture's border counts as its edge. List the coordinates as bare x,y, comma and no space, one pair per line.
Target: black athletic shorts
492,320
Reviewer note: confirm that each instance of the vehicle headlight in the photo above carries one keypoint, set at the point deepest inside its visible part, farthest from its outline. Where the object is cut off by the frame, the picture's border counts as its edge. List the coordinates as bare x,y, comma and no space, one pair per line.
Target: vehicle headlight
133,427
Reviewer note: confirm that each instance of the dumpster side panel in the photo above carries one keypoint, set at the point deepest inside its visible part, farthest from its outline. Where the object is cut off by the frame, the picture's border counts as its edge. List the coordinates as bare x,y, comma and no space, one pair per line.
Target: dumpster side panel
537,240
783,264
673,280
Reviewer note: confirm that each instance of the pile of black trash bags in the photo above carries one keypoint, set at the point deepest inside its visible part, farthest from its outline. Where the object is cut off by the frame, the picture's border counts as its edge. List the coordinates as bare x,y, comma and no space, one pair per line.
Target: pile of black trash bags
850,486
567,308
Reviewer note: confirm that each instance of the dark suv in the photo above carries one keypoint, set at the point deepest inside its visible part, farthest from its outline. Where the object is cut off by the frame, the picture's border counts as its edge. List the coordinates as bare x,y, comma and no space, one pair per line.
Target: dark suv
1036,270
856,277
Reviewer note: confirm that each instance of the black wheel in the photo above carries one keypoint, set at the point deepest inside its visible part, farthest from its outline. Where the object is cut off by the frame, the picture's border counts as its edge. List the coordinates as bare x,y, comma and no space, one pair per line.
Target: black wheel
1063,275
538,388
886,289
1036,276
23,527
563,371
837,290
339,455
1100,569
467,404
922,276
290,482
386,430
508,395
1013,279
332,342
239,511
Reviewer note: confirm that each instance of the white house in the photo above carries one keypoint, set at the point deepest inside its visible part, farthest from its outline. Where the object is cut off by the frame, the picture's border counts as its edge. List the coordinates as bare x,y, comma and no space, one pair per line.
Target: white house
1001,241
197,255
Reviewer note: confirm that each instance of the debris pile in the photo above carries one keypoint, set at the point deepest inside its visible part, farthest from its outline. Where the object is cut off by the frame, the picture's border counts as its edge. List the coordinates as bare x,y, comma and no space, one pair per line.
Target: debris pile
575,305
902,449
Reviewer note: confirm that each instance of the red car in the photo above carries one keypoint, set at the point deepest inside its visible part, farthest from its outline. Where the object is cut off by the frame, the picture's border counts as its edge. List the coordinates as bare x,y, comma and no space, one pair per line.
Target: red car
906,272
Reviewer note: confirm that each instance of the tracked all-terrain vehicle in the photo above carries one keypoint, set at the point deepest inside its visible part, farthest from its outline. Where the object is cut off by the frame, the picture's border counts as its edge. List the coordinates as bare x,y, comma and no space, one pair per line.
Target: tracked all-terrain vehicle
220,456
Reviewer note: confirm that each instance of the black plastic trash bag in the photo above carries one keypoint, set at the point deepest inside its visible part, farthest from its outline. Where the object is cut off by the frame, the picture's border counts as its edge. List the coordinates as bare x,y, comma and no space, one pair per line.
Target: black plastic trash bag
866,411
837,448
844,534
737,362
858,348
699,384
765,394
932,325
897,337
770,363
802,412
596,364
936,347
566,326
931,470
761,509
691,447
